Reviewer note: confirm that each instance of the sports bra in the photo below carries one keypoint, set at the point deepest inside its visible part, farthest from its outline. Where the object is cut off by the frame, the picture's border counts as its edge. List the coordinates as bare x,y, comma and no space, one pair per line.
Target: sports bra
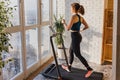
76,26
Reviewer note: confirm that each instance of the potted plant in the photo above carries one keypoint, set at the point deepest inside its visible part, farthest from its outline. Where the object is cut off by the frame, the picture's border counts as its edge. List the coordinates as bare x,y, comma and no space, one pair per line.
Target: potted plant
5,14
59,28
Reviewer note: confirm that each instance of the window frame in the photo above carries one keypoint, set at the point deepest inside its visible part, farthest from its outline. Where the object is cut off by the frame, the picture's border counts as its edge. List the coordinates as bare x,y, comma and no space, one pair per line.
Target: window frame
22,29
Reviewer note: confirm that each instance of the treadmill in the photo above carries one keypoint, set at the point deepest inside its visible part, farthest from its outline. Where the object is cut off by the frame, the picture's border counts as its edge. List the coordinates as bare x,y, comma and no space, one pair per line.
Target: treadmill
55,71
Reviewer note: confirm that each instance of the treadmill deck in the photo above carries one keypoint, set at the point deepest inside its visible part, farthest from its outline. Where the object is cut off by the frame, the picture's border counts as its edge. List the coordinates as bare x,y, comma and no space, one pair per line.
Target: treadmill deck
75,74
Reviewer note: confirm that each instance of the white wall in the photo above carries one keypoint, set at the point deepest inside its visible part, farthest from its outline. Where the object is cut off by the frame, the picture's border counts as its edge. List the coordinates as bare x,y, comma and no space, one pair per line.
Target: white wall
91,46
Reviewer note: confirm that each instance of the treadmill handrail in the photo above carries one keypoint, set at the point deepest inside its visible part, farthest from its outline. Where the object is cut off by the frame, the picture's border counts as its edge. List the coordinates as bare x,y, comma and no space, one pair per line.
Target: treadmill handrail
56,62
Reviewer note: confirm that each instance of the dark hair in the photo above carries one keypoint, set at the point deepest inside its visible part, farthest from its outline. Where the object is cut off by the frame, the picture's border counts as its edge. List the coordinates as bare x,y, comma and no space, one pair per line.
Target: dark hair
78,8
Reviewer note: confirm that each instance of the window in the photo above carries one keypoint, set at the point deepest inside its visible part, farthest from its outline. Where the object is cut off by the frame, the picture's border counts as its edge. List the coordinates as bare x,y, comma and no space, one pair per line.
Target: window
31,46
45,40
45,10
30,12
30,40
16,14
15,66
54,7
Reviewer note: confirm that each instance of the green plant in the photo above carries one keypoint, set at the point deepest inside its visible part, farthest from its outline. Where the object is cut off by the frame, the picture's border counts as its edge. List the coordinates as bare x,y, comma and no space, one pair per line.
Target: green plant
59,28
6,12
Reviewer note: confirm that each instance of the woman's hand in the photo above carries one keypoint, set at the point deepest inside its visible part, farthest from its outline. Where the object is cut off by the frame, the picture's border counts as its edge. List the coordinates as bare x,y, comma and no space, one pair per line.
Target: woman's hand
70,23
63,21
81,30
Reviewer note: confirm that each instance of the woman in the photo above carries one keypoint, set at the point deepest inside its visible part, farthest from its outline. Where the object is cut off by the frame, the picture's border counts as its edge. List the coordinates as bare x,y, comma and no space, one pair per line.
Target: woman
74,27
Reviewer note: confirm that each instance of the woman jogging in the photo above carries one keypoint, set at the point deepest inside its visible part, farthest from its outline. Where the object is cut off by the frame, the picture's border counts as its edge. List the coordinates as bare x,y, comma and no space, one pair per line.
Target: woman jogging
74,27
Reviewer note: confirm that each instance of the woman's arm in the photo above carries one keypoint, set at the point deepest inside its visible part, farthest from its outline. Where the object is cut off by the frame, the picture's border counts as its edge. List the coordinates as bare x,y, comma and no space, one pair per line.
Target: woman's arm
70,23
84,23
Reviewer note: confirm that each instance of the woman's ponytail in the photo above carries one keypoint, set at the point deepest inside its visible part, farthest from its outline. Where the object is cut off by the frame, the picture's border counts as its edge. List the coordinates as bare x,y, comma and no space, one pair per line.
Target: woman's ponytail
78,8
81,10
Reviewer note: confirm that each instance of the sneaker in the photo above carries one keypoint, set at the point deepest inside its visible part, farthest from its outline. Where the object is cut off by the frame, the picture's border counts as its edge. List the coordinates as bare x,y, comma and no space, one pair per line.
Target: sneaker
88,74
66,68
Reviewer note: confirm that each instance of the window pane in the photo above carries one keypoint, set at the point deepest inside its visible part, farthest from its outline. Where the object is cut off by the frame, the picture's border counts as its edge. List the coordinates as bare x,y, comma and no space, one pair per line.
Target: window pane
14,67
30,12
45,40
31,46
16,14
45,10
54,7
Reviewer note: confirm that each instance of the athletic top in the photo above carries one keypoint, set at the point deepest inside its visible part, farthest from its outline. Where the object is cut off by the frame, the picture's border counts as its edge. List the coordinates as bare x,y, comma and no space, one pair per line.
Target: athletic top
76,26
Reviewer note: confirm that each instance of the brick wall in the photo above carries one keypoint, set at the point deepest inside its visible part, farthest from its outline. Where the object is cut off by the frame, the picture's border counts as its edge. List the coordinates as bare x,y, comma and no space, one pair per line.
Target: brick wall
61,8
93,36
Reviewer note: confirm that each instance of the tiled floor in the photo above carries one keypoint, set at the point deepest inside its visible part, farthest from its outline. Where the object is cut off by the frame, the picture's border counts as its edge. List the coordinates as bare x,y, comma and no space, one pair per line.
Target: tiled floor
105,69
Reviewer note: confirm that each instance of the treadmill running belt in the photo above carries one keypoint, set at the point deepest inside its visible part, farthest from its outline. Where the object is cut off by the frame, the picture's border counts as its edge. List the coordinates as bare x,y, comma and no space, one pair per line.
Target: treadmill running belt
75,74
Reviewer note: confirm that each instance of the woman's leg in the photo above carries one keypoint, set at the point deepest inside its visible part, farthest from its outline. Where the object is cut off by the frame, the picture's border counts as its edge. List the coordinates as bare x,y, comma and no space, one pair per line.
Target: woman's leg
71,55
81,58
76,49
76,40
68,68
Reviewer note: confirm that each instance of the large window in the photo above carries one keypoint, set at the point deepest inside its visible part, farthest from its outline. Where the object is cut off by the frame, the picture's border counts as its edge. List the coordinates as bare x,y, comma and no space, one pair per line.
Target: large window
30,38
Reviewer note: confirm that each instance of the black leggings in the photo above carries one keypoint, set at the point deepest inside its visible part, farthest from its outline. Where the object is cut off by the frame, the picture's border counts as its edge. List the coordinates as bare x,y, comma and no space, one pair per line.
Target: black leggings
75,48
